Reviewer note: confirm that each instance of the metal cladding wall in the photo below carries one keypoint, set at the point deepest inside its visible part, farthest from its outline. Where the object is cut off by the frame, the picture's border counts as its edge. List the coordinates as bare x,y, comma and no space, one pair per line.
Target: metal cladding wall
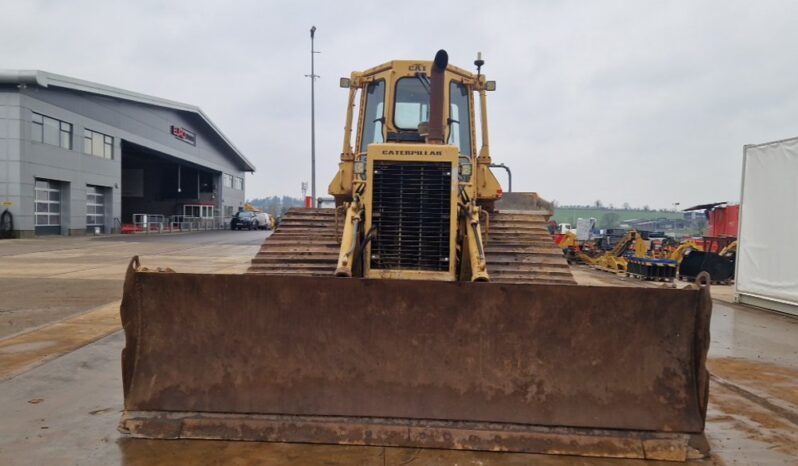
767,264
24,160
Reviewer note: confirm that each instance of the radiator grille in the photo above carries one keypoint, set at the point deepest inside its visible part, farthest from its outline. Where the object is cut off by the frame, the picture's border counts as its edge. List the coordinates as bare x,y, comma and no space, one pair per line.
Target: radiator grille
411,210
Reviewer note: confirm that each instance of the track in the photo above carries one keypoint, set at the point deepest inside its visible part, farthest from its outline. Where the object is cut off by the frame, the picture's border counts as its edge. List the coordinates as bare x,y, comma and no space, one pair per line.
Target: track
518,248
304,243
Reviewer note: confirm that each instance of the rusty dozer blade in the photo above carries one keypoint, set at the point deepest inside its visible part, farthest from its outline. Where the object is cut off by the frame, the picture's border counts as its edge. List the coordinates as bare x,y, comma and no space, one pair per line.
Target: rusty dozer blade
596,371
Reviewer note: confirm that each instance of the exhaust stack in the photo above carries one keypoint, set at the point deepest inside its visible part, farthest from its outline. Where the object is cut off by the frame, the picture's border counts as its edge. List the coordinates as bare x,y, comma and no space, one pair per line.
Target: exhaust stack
436,102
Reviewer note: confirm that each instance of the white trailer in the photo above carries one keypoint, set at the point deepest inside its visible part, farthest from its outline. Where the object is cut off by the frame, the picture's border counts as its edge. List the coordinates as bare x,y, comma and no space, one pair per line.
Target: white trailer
767,254
586,229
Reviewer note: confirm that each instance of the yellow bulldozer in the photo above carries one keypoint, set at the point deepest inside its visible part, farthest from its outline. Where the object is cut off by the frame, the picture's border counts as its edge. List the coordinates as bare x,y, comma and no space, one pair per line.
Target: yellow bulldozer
428,309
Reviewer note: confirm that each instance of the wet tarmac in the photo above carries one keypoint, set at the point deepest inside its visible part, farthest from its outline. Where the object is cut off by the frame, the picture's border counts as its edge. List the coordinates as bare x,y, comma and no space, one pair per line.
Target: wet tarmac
45,280
62,403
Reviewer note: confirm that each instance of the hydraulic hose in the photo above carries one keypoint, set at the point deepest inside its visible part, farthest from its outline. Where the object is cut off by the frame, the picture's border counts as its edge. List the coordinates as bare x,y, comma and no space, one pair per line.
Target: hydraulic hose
366,240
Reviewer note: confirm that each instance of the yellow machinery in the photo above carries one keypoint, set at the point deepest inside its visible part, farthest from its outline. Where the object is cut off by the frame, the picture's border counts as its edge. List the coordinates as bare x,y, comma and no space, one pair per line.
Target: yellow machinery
428,309
571,248
730,249
428,143
250,208
630,256
610,261
685,246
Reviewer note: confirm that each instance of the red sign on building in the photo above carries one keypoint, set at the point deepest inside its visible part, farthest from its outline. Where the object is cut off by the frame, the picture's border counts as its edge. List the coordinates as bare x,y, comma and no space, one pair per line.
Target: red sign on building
184,135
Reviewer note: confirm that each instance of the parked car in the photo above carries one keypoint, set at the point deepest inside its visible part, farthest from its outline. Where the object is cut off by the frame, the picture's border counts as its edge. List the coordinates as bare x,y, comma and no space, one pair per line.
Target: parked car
264,221
244,220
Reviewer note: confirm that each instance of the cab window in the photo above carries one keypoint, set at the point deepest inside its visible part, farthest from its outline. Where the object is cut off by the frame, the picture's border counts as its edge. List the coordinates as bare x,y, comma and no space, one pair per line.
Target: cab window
374,115
459,118
412,103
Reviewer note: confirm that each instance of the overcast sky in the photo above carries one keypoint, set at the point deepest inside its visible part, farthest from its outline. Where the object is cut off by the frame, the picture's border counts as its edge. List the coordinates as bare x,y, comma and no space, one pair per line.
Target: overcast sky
642,102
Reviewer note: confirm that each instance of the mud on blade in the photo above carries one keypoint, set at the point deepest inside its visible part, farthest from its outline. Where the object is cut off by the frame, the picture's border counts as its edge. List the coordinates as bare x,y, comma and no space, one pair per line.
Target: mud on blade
608,371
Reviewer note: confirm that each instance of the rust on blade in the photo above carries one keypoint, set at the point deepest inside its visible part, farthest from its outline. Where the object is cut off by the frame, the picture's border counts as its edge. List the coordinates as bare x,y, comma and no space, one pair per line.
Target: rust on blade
411,433
535,355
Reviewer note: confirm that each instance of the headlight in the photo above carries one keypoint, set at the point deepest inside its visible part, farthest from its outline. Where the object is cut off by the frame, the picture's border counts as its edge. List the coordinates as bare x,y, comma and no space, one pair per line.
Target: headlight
360,167
465,168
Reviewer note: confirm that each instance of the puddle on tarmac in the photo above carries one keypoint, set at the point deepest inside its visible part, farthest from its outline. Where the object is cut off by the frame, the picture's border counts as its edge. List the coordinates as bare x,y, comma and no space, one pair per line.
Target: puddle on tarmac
771,380
26,347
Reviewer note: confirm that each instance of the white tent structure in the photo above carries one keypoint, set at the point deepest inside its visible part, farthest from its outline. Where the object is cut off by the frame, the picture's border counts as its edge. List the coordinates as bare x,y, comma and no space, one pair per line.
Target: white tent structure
767,254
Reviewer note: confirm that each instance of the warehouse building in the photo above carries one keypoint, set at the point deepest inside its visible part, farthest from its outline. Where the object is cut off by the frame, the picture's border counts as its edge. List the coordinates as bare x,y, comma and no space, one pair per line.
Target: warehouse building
77,156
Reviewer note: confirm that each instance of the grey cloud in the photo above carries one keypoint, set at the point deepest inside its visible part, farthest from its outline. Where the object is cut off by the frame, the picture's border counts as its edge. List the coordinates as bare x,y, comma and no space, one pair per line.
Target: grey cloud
596,100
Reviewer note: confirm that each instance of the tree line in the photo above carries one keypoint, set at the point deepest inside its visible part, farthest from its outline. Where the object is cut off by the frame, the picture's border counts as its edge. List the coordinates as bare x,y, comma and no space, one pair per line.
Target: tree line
276,205
600,205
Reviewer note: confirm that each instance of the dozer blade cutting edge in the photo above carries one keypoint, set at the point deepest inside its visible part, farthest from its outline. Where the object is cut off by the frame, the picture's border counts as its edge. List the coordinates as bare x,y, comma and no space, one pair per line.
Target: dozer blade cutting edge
595,371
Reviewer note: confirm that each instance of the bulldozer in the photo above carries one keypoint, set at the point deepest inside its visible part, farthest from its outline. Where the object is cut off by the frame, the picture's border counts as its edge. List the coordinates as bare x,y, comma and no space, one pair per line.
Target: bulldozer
428,309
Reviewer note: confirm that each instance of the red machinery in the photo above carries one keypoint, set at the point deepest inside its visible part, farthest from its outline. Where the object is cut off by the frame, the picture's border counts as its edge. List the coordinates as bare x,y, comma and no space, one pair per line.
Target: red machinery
721,232
722,220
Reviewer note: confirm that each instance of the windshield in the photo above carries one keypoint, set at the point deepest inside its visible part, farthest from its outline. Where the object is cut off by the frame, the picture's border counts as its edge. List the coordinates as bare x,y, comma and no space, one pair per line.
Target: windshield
412,103
459,118
374,118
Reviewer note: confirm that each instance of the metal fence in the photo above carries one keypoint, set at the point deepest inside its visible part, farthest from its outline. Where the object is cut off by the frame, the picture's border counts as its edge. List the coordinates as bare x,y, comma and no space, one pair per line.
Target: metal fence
157,223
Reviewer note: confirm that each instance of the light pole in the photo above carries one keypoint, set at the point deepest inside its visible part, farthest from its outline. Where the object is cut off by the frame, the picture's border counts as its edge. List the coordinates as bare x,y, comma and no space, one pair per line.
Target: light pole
312,77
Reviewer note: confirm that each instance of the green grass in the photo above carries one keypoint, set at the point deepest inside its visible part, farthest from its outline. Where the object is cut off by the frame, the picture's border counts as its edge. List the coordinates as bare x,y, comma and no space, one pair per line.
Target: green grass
570,214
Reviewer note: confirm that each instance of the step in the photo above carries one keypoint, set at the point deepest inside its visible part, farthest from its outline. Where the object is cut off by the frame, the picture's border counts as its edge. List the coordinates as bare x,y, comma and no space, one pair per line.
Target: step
490,249
257,270
294,257
530,268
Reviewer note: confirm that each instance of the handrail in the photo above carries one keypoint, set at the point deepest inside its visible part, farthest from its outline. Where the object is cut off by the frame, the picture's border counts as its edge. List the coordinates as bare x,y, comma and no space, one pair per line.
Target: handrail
509,175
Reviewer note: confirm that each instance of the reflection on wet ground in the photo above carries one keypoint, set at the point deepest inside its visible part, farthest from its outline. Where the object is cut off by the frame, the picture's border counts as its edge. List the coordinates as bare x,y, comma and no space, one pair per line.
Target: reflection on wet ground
748,333
747,418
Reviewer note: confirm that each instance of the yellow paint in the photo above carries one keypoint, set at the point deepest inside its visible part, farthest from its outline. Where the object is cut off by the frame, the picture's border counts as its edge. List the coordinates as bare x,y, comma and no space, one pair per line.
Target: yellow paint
732,247
349,239
474,246
21,353
678,253
383,152
482,187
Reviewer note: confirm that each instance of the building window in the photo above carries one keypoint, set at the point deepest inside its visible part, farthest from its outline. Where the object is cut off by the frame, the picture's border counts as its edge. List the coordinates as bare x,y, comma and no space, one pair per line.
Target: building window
47,210
227,180
198,211
228,211
238,183
95,207
51,131
98,144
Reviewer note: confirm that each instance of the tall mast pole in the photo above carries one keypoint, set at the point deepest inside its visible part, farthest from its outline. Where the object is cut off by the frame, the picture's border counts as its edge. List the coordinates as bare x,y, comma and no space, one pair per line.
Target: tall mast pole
312,116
